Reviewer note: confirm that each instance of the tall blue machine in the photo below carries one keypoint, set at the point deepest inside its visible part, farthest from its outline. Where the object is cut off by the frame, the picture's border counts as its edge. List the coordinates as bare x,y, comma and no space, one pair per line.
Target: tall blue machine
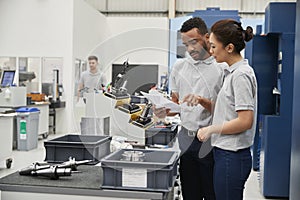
262,57
272,57
295,155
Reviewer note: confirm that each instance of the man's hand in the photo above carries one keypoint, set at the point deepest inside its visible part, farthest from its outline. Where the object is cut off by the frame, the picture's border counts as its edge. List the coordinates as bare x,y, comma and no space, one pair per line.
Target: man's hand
194,100
191,99
160,112
204,133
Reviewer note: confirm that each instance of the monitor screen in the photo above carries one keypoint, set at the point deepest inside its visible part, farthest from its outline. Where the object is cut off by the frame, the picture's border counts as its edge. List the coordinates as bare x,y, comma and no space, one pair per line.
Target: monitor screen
7,78
139,77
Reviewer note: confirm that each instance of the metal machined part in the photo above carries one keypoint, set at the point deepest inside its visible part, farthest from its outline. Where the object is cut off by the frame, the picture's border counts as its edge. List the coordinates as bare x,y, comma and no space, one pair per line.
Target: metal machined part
134,156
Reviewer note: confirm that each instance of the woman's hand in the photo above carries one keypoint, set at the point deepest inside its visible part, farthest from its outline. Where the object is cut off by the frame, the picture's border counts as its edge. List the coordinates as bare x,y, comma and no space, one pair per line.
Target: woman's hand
204,133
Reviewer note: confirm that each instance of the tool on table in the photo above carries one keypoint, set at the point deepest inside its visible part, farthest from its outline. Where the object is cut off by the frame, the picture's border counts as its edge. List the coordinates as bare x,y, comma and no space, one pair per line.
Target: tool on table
144,120
129,108
72,163
53,171
33,167
119,91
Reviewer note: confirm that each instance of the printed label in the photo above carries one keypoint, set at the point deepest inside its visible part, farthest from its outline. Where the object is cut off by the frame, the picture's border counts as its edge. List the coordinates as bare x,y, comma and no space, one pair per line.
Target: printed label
23,130
134,177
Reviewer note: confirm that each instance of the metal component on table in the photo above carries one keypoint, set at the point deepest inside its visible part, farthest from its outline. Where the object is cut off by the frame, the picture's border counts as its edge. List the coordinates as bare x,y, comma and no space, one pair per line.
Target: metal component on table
119,91
119,82
135,156
34,167
54,172
129,108
144,120
72,163
146,110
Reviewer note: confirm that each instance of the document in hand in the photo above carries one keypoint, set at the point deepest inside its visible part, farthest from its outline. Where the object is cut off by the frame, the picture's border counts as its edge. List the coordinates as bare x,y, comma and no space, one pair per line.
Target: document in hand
160,101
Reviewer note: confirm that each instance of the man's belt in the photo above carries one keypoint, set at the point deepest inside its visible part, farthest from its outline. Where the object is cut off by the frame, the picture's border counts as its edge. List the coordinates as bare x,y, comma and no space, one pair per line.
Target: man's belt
190,133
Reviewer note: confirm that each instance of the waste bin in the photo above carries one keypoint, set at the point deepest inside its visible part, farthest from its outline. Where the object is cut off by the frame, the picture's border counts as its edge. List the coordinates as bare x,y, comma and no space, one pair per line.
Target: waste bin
28,126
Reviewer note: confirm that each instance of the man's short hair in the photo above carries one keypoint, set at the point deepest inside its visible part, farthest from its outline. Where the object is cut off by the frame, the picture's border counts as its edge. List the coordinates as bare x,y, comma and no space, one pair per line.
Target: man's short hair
93,58
195,22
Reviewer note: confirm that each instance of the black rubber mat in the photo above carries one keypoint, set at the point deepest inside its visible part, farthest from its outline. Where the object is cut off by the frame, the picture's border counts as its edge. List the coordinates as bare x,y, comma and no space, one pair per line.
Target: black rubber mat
88,177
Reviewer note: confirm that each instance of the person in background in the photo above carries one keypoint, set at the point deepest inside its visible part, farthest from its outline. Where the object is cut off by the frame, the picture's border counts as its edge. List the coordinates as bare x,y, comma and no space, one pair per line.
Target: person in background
92,79
234,121
194,82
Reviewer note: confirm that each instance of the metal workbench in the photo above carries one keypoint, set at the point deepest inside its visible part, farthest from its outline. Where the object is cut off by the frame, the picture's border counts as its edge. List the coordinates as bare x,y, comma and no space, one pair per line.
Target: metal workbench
85,185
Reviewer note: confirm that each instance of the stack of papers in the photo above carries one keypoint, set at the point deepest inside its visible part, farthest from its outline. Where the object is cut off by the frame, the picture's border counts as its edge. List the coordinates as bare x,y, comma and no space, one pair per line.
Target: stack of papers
157,99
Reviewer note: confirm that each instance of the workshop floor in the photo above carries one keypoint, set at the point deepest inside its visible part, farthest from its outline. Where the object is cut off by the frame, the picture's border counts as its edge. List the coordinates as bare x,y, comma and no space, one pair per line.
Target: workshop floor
23,158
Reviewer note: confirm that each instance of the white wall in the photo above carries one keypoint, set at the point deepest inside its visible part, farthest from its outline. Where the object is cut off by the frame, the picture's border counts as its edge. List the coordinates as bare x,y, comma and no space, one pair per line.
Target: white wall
72,29
90,30
39,29
35,28
142,40
52,28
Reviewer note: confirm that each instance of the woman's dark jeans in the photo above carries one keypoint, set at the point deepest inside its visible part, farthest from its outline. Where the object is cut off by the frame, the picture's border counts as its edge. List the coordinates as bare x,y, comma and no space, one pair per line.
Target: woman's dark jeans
231,171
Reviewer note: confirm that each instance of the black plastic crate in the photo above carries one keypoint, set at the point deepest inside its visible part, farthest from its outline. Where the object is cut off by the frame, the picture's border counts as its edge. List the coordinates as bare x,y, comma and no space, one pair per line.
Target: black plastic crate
80,147
161,135
158,171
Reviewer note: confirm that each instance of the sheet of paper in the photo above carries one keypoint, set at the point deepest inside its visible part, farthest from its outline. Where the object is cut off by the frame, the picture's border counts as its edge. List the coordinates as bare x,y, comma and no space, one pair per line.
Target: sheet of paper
160,101
134,177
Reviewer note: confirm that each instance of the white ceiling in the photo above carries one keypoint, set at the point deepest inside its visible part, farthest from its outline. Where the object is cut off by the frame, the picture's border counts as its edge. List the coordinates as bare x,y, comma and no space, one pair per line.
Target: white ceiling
247,8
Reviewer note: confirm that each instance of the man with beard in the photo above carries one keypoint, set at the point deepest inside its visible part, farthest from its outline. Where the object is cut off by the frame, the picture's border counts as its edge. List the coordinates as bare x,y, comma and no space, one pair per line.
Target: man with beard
195,83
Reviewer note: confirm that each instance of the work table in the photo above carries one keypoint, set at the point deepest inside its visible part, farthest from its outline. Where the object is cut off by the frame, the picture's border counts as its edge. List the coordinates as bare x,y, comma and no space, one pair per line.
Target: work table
86,183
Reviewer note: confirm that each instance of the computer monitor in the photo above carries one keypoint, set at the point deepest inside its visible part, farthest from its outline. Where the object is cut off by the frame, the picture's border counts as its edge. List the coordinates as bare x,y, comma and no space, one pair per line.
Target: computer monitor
7,78
140,77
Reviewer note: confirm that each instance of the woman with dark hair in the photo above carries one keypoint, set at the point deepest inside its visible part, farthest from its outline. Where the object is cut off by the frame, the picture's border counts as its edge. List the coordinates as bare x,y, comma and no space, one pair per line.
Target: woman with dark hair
234,121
